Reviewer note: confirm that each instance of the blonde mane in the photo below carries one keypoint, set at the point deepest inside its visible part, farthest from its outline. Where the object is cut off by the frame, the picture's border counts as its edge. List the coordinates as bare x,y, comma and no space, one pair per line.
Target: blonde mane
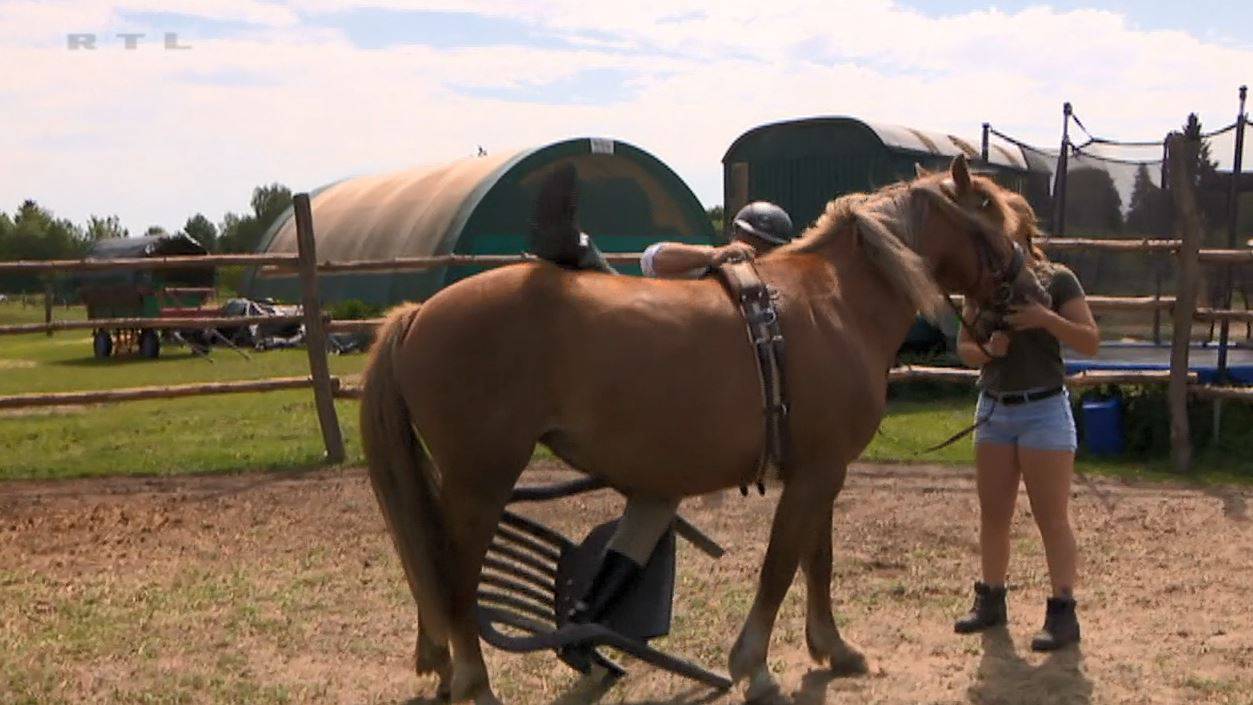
886,221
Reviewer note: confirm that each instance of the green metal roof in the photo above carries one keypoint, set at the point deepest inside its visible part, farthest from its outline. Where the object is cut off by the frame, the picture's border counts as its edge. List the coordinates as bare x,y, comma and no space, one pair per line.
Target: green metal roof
803,164
628,199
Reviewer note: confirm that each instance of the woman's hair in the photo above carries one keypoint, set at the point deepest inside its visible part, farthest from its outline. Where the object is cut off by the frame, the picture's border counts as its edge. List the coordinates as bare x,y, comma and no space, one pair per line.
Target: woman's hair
1027,230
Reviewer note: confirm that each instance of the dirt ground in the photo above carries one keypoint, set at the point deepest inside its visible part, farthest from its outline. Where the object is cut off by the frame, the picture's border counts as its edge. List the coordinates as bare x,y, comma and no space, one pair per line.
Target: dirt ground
284,588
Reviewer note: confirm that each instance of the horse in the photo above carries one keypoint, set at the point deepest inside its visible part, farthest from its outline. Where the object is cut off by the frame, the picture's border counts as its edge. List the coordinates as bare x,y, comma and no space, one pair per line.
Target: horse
652,386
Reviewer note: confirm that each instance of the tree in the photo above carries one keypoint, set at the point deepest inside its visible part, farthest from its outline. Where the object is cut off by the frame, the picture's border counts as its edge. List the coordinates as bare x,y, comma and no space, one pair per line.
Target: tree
155,231
1092,202
1150,212
203,231
1210,190
33,233
104,228
269,202
717,218
243,233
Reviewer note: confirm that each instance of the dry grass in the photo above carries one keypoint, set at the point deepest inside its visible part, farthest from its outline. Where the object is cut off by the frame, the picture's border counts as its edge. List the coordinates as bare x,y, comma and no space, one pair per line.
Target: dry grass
283,588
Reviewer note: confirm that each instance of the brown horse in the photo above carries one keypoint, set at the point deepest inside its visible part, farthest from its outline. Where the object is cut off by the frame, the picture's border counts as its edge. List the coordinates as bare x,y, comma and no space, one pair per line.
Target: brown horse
652,386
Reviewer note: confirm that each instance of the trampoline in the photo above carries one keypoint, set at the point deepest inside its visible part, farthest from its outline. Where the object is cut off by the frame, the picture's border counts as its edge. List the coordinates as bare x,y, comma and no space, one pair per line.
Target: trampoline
1202,359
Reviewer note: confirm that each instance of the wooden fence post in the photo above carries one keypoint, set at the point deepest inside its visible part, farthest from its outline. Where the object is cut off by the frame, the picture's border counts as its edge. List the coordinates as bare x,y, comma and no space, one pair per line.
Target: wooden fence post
1181,154
48,303
315,333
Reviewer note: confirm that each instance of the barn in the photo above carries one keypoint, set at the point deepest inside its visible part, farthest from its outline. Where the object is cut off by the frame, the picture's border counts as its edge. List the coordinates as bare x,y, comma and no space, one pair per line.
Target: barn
628,199
803,164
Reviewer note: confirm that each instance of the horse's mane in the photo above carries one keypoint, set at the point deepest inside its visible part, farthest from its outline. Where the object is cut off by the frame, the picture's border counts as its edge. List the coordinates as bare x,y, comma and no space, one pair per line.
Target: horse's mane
886,222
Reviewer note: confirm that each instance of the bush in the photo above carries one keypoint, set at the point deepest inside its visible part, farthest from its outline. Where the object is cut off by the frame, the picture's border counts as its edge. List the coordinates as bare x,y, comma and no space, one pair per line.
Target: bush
353,310
1146,421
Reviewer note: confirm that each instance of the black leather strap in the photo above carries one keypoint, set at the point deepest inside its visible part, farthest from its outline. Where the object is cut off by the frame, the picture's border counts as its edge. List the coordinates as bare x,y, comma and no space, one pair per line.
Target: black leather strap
761,318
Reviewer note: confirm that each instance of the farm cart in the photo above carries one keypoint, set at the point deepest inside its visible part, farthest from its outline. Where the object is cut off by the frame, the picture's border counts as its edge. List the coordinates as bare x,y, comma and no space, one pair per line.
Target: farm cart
159,293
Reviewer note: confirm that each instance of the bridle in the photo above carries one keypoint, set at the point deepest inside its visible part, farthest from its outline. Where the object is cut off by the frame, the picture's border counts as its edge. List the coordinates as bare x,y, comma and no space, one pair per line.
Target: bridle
1003,275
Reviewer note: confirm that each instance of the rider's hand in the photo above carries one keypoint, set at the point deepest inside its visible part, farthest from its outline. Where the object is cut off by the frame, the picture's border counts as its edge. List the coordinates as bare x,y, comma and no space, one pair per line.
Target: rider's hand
735,251
998,344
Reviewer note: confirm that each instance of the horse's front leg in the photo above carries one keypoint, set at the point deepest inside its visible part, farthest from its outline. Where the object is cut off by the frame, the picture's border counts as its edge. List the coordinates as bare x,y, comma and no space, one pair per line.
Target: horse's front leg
826,646
796,521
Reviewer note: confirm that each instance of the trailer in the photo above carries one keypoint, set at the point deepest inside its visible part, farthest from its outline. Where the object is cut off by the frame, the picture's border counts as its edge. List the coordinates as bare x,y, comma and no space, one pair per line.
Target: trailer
137,294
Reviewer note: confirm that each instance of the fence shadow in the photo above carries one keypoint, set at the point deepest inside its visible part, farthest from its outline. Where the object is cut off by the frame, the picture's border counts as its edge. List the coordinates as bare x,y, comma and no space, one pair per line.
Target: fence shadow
1005,677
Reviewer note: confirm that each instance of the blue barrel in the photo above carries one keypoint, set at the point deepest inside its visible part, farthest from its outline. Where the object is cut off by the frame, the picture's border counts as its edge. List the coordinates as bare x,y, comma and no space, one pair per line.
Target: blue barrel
1102,426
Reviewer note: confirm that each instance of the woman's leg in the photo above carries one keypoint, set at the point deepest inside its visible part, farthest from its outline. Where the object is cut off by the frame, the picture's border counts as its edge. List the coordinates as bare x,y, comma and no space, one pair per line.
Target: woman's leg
1048,475
996,478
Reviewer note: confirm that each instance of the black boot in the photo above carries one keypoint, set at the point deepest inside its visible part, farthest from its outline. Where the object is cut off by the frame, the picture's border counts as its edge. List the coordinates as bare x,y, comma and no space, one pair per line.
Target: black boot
555,234
616,574
988,610
1061,625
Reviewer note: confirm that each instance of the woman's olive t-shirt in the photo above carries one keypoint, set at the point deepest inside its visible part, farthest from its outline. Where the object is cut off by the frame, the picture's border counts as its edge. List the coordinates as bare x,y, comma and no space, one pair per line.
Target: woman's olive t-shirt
1034,360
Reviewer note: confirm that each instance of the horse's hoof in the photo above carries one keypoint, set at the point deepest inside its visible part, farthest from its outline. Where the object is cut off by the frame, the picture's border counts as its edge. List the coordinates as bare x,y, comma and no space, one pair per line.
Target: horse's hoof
748,657
763,689
487,697
847,660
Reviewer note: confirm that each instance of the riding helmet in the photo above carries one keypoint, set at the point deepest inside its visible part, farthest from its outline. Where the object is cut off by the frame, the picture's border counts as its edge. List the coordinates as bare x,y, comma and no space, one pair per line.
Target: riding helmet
766,221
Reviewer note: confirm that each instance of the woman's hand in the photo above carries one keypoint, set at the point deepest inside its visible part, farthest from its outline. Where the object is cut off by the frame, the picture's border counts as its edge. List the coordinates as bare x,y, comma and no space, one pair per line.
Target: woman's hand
998,344
1032,315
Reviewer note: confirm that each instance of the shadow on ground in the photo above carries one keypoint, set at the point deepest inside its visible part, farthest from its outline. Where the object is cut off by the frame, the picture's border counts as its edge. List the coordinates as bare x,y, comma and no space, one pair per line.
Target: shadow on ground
1005,677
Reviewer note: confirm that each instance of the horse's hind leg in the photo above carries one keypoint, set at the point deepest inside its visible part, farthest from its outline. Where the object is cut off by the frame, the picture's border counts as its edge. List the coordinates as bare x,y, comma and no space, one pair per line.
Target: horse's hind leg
796,521
473,496
826,646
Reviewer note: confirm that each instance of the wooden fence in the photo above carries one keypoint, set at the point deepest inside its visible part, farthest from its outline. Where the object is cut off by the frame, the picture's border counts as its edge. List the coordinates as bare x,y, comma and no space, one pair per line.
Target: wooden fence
1182,306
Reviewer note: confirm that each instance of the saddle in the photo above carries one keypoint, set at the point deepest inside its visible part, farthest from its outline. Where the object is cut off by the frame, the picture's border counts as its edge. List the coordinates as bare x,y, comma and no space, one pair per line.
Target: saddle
761,319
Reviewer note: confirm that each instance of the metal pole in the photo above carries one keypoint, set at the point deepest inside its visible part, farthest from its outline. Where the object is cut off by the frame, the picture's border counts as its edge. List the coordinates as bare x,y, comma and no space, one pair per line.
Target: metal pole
1233,215
1059,180
983,149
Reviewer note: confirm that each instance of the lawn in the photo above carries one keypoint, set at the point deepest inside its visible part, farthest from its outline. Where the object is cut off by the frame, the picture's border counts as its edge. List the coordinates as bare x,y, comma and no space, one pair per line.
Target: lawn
224,433
243,432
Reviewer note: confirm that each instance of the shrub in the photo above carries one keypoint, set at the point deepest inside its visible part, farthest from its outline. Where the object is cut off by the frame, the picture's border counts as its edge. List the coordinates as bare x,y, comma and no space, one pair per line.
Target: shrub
353,310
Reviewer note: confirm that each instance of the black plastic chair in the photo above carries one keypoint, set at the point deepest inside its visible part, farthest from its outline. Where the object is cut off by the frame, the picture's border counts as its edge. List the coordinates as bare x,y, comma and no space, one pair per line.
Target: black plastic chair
532,576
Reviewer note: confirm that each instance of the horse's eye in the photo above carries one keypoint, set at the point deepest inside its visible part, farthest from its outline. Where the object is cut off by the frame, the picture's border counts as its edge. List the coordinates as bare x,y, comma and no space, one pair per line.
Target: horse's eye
985,203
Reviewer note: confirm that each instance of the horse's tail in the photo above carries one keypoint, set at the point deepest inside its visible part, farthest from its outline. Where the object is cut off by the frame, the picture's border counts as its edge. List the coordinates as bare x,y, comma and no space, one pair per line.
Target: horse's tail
404,477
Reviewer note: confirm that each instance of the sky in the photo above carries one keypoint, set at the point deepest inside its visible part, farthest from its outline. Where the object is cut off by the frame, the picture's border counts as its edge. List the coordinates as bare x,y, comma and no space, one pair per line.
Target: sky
306,92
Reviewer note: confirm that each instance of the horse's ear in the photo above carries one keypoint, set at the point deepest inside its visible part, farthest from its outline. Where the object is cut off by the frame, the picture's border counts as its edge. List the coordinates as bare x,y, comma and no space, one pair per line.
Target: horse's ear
960,171
920,171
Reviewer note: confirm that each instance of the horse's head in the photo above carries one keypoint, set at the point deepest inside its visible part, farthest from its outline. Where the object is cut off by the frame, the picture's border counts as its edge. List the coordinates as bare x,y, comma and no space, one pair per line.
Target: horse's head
969,240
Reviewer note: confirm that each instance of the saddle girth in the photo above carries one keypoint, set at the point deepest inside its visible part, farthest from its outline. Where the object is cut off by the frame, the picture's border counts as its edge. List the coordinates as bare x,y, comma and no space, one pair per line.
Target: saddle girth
761,319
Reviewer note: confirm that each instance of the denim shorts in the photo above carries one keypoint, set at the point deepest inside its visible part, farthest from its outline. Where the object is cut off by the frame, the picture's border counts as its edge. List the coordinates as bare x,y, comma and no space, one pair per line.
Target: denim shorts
1046,424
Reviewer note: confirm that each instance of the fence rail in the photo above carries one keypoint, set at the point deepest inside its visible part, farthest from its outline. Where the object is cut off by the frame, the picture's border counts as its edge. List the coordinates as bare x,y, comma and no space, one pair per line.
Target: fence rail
141,323
1145,246
327,387
20,401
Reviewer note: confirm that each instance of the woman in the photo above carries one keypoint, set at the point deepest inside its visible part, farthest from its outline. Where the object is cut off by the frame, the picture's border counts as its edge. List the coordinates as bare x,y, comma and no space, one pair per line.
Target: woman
1026,430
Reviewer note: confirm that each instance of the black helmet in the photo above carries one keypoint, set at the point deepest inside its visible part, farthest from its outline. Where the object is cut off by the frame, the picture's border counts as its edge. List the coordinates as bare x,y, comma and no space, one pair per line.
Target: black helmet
766,221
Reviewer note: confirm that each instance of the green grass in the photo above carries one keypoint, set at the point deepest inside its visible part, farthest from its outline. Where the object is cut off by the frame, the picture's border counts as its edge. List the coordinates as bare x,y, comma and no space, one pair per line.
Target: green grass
911,425
243,432
220,433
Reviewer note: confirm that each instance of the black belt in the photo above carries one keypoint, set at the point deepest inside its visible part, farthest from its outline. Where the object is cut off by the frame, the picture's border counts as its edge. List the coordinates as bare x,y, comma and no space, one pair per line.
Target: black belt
1015,398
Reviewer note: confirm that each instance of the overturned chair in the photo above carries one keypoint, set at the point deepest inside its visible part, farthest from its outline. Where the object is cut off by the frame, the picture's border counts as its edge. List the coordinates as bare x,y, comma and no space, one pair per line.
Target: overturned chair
532,576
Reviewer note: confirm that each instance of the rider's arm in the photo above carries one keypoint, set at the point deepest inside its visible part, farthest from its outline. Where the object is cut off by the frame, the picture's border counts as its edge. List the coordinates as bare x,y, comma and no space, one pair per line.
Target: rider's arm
676,259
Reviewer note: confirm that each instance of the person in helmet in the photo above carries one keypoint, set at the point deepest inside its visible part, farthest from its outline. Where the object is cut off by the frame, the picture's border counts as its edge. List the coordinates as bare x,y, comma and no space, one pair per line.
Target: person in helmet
756,229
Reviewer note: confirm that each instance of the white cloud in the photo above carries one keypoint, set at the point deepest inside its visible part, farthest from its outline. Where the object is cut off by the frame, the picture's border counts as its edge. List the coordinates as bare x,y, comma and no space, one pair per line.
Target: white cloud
156,135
